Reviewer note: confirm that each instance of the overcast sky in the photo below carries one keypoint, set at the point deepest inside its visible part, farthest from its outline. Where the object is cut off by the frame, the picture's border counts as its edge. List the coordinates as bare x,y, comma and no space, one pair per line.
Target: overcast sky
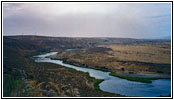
132,20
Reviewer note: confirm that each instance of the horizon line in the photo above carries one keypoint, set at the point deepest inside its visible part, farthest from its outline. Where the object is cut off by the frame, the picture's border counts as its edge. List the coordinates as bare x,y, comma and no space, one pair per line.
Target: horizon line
84,37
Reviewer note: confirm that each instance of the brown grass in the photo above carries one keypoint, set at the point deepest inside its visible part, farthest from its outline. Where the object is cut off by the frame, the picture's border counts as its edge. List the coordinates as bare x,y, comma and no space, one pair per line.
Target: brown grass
155,53
136,58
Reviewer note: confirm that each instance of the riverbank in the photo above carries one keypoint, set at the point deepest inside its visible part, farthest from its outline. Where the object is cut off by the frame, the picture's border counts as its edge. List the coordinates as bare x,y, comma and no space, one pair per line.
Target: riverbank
80,65
96,83
129,77
114,84
136,79
90,81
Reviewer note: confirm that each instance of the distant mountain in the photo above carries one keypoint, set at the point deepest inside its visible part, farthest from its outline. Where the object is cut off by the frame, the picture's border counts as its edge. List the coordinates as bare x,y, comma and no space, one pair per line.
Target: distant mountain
42,43
166,37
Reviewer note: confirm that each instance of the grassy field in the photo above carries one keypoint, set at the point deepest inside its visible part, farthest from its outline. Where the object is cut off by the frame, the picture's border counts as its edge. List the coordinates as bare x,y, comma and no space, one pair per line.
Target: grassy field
149,58
152,58
154,53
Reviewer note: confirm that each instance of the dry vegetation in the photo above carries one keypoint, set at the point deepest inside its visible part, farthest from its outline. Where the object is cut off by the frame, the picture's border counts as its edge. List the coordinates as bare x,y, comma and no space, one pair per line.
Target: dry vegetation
154,53
22,77
132,58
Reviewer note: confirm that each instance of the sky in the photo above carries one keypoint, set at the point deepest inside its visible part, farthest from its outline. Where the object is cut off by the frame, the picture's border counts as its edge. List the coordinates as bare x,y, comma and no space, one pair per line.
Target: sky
77,19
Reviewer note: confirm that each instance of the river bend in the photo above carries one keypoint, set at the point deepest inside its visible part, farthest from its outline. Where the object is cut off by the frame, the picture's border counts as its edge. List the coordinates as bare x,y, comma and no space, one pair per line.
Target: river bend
117,85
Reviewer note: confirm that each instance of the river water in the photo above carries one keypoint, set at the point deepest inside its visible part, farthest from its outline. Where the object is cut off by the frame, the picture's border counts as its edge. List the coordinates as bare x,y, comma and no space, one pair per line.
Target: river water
117,85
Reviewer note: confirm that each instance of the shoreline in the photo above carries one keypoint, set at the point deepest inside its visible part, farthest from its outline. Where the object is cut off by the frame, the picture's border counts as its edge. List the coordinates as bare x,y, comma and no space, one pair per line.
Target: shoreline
96,84
97,81
128,77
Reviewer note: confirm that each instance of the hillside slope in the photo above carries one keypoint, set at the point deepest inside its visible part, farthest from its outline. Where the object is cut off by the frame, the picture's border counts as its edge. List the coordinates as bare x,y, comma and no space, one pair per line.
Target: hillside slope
22,77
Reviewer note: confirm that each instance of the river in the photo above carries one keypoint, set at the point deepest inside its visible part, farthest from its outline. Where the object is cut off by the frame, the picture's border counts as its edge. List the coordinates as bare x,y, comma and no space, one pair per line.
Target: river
117,85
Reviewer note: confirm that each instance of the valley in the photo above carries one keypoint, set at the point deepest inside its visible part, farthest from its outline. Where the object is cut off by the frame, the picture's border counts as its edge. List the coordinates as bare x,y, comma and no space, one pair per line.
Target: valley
22,76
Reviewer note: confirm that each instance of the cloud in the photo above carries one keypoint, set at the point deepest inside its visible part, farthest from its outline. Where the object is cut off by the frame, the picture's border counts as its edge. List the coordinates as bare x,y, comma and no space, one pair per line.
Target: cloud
134,20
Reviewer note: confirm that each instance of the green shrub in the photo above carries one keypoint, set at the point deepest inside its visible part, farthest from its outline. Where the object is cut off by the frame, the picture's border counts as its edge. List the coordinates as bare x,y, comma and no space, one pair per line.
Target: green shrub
137,79
11,86
96,84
